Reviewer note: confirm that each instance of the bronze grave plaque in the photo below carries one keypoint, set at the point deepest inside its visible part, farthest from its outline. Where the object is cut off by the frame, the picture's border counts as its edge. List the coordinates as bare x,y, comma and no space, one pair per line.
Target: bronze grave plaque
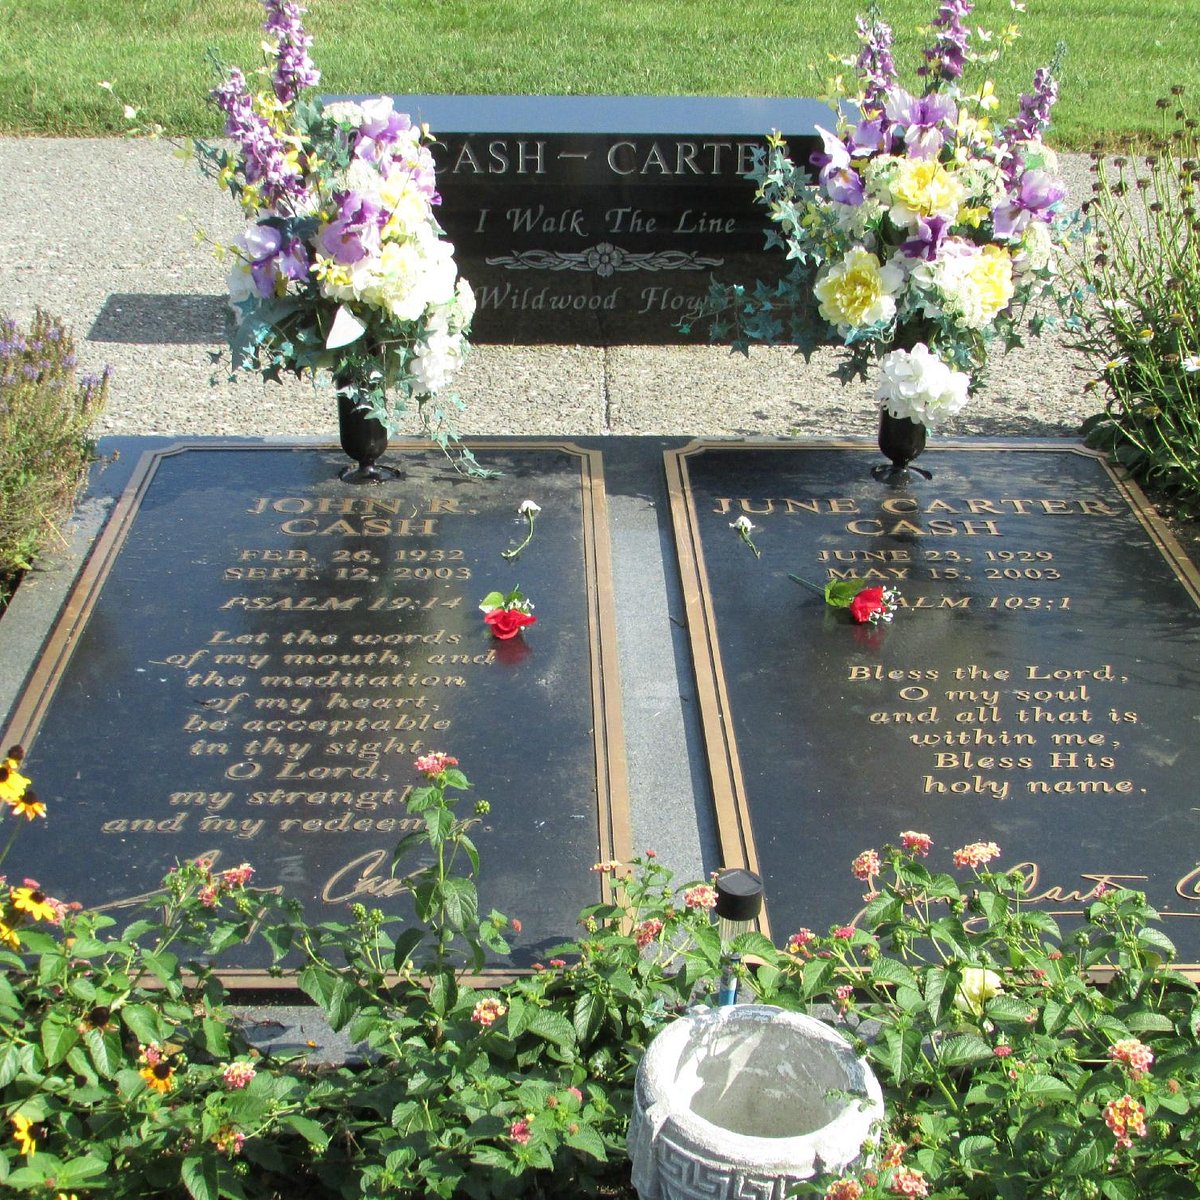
1039,686
256,653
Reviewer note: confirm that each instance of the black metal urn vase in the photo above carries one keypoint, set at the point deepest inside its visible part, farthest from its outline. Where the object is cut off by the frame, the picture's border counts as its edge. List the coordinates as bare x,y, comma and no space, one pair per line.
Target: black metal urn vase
900,440
364,439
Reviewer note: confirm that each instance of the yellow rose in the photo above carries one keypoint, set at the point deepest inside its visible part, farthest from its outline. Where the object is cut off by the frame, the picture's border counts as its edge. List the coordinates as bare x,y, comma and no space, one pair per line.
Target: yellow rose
978,986
991,273
924,188
858,291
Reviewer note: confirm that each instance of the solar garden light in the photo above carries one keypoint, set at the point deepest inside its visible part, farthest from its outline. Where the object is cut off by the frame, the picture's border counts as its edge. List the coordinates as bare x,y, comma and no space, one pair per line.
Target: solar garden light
739,901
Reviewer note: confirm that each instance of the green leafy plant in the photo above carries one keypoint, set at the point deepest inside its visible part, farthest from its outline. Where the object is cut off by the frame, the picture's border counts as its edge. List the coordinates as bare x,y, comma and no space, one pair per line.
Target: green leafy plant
1017,1060
45,416
1138,303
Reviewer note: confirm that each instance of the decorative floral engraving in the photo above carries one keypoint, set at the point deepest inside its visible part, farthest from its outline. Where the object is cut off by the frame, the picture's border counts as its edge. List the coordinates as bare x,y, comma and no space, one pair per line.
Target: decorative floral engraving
604,259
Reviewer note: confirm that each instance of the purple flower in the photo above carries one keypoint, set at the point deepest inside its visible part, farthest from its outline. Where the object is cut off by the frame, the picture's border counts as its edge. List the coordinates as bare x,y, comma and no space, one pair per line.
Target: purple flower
875,65
923,120
294,70
264,159
948,54
931,232
1037,196
354,234
841,183
868,137
1033,117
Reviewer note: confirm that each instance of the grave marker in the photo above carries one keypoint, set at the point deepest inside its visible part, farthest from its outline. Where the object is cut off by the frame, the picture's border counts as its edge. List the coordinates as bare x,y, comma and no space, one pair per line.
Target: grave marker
599,220
256,654
1039,687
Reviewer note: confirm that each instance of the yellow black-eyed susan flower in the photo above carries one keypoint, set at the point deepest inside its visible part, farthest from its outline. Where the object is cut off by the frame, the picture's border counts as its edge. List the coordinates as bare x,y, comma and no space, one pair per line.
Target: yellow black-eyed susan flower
23,1133
32,901
160,1076
28,806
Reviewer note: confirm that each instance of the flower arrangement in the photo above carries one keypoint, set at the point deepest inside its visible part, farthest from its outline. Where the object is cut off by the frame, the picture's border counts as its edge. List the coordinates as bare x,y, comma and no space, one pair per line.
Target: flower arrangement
343,266
928,230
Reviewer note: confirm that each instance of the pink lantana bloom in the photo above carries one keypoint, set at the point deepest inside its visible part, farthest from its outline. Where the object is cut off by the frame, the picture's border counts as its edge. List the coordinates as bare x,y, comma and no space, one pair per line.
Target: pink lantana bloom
488,1011
703,895
237,1075
1137,1056
866,865
519,1132
646,932
976,854
432,765
916,843
908,1181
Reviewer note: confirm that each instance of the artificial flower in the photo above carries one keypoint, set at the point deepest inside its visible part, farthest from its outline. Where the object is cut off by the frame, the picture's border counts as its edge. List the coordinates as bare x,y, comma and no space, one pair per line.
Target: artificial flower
528,509
978,986
872,605
745,527
507,615
342,266
916,384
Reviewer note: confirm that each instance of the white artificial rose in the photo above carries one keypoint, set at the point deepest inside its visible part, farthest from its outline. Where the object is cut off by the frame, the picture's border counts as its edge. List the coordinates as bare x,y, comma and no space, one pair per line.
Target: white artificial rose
916,384
978,986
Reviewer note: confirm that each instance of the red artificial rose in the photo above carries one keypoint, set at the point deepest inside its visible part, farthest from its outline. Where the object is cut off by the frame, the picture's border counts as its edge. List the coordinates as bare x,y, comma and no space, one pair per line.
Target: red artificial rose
507,622
868,603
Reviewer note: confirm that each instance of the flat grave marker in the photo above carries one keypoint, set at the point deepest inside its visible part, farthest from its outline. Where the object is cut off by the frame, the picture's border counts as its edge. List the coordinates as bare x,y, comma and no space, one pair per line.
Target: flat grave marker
1039,687
257,652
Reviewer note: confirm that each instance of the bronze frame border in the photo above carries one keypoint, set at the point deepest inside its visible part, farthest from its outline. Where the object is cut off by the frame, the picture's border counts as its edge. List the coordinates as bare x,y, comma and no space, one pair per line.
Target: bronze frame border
735,831
613,818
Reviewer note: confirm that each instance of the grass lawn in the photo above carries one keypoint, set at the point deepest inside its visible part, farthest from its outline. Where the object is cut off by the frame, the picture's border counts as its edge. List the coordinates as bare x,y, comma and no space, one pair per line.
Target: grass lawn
1121,54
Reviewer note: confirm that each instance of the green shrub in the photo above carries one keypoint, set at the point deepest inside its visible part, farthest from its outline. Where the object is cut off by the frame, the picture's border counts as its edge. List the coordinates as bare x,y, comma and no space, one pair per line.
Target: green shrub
1139,306
45,414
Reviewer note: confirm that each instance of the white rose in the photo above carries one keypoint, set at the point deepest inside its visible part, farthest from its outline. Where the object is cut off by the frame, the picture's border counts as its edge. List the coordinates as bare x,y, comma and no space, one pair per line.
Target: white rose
918,385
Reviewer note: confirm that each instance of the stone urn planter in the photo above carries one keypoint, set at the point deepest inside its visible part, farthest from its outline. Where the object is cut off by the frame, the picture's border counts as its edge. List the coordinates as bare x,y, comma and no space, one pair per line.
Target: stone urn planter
747,1100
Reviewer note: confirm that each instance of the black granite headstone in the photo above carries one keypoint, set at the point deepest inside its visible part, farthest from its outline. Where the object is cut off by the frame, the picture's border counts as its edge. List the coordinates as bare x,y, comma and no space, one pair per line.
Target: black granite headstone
1039,687
257,653
600,219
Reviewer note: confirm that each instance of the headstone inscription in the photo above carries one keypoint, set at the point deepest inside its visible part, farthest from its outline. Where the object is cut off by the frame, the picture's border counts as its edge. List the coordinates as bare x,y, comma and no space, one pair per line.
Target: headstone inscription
1039,687
257,653
600,220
